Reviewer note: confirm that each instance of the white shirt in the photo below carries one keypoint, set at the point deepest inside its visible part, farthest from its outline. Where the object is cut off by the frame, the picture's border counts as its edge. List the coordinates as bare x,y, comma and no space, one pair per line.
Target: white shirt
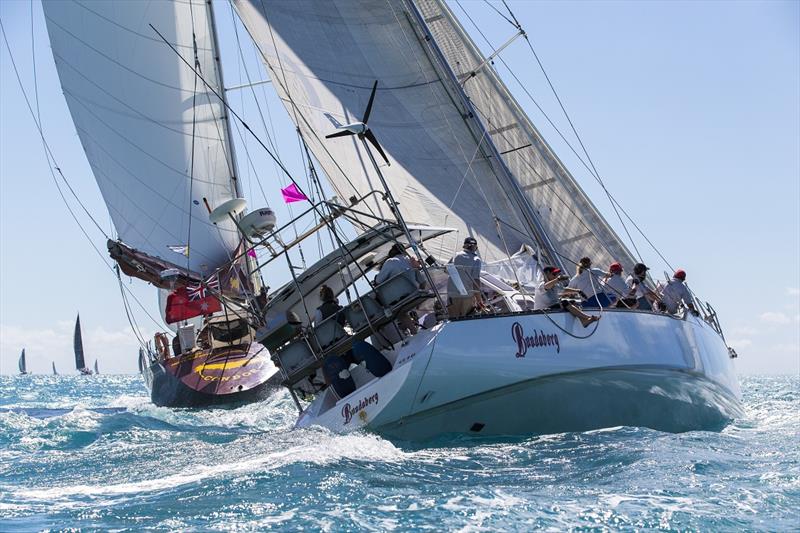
469,268
588,281
544,299
393,266
615,287
641,288
675,292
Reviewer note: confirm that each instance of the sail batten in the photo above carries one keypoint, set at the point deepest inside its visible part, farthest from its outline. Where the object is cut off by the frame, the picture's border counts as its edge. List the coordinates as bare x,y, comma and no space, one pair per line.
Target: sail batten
154,134
572,222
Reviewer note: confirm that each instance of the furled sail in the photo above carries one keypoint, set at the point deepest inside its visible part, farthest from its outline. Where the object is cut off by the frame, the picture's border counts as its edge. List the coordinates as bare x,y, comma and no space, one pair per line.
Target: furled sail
323,59
77,343
21,363
154,135
574,225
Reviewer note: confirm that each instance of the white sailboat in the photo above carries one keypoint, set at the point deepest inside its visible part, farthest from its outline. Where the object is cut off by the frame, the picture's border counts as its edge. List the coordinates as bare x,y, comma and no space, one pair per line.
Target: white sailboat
455,156
460,152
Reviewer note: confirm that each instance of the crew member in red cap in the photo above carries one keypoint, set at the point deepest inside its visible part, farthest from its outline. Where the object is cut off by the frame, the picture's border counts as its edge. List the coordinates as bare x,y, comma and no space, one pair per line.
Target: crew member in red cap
614,285
546,296
676,292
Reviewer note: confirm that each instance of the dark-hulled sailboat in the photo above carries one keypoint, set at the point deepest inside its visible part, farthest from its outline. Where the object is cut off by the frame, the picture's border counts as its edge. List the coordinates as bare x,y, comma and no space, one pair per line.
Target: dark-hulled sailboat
77,344
22,364
159,145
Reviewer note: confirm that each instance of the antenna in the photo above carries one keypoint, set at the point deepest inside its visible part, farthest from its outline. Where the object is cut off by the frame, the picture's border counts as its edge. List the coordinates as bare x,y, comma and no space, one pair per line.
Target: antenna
361,128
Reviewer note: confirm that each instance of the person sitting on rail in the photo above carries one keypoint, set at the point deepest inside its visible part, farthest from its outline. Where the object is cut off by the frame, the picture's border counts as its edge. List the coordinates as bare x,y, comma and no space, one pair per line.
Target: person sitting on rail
546,296
641,296
334,367
614,285
674,293
468,264
586,283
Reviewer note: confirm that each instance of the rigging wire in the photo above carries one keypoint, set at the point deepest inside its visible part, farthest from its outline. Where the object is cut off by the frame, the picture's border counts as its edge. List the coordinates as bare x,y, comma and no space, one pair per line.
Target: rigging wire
592,169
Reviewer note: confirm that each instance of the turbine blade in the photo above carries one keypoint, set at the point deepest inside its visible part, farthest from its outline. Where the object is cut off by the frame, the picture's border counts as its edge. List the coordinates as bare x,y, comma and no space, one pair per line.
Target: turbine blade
371,138
339,134
371,99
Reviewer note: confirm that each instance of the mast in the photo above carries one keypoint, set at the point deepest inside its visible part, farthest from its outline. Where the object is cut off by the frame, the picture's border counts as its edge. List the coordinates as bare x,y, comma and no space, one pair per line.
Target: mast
483,137
251,268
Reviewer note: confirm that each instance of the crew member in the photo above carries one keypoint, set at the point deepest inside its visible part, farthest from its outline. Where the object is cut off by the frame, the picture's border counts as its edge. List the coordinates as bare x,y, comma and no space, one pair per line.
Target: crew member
676,292
614,285
586,283
546,296
468,264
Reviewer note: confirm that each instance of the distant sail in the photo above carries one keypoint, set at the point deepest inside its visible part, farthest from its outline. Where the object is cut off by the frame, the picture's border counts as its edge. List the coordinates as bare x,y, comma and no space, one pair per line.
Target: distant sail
23,367
141,360
80,363
54,369
96,371
155,137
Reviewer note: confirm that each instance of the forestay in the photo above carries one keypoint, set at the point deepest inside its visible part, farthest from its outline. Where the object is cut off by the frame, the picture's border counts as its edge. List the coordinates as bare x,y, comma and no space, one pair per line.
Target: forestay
154,135
573,224
323,58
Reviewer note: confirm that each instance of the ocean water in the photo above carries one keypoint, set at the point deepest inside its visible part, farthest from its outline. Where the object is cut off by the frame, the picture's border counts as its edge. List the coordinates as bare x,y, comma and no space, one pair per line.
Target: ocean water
93,453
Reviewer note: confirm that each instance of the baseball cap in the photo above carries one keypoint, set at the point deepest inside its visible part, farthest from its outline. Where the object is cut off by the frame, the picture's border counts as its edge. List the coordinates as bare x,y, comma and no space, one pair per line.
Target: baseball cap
552,269
470,240
680,274
615,267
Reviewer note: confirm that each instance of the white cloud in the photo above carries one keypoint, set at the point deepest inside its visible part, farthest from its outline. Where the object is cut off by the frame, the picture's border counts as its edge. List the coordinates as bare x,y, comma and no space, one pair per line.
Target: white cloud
744,330
786,347
792,291
772,317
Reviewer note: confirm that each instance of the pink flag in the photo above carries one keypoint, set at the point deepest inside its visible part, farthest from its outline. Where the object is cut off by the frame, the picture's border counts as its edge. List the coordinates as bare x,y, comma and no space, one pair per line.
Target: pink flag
252,253
292,194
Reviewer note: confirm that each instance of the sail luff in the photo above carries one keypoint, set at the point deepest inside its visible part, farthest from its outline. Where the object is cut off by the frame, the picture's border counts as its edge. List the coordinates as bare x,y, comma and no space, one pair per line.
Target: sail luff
77,345
536,230
573,221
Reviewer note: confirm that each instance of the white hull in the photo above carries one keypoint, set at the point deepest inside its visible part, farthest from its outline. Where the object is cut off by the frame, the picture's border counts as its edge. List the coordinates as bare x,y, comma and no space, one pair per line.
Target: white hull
473,376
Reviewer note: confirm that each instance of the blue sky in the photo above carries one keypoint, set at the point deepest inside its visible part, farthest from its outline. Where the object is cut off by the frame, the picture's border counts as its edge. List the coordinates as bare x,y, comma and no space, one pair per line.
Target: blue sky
690,111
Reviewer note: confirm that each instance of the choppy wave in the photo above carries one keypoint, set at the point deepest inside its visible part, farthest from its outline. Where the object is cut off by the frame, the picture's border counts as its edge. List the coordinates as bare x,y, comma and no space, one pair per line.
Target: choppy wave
95,453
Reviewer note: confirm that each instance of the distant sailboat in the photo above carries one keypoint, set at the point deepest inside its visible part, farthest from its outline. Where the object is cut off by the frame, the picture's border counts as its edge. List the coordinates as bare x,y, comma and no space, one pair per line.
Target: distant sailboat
96,371
80,363
23,368
54,369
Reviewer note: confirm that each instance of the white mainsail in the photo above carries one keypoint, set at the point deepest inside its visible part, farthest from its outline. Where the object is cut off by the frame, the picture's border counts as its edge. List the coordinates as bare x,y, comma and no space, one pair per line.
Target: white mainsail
323,59
574,225
154,135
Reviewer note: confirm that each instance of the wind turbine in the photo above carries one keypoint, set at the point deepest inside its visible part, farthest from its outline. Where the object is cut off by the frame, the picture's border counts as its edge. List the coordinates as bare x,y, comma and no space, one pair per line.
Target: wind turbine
361,128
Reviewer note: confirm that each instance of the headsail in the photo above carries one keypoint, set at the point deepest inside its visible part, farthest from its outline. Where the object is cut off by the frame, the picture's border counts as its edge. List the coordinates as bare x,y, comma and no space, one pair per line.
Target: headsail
155,137
23,367
77,342
324,58
574,225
